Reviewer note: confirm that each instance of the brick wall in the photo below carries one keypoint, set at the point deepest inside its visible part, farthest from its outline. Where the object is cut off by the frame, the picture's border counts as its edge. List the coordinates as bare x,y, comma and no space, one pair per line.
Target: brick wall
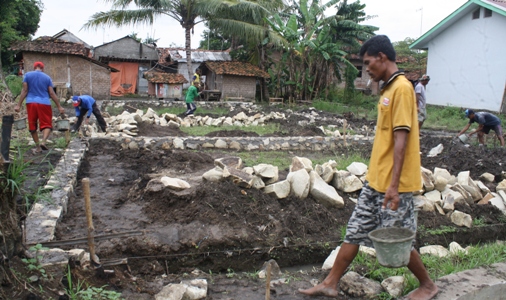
238,86
85,77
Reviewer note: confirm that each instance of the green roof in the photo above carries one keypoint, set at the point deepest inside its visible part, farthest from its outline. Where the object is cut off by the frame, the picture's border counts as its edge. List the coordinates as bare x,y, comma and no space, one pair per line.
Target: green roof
467,7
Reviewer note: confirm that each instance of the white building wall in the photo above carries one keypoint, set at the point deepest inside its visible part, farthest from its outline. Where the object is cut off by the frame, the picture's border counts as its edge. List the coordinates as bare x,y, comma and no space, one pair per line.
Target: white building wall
467,63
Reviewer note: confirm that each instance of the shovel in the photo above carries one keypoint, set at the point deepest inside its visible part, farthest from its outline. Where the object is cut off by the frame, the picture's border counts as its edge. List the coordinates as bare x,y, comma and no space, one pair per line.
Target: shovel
95,262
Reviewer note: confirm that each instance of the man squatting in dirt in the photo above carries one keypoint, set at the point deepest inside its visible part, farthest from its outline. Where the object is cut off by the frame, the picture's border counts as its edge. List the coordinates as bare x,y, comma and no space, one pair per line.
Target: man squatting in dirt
386,199
85,105
486,121
37,89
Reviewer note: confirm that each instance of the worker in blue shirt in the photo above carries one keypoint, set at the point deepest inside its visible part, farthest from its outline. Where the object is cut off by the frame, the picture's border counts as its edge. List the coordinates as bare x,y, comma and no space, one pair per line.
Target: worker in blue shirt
85,105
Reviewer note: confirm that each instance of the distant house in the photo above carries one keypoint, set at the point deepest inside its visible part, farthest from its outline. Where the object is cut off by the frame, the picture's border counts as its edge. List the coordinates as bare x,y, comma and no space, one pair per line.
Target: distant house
68,65
234,79
68,36
163,85
132,59
466,57
175,59
363,81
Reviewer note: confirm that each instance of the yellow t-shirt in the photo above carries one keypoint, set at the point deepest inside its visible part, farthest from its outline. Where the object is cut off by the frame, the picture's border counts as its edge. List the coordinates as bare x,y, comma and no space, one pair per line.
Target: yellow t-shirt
396,110
196,79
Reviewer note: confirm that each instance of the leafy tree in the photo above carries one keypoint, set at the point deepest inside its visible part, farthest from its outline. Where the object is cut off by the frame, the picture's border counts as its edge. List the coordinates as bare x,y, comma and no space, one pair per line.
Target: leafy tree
150,40
317,45
135,37
410,60
19,21
212,39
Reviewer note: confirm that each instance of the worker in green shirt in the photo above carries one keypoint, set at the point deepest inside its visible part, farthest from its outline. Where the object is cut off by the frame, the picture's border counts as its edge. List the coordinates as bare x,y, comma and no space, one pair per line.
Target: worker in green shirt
190,95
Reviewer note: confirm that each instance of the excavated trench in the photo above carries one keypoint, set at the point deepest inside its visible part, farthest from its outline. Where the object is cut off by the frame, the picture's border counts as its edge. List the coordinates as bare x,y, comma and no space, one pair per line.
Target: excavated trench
217,226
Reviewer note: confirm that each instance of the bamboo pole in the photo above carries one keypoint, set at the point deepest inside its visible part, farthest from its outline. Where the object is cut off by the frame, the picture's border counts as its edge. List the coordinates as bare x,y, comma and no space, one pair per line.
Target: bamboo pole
89,220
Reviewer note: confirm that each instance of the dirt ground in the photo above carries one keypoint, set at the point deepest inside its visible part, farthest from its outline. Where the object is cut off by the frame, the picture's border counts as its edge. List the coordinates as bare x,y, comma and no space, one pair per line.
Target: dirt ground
224,233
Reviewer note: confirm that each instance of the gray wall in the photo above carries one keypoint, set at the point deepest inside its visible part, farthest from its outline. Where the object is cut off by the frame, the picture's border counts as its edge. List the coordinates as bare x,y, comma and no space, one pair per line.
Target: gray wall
126,48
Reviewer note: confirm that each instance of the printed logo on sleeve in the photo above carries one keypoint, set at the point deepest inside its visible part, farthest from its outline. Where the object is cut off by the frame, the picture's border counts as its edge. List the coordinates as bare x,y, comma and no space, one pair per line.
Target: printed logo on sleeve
386,101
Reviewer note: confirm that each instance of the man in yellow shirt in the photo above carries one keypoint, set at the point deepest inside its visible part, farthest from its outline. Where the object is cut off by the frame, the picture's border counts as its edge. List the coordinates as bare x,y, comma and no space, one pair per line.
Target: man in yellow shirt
394,173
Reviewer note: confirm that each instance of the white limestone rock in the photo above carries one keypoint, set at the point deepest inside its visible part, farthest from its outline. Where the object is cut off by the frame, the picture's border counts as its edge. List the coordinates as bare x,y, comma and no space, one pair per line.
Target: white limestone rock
487,177
436,250
455,248
440,183
195,289
267,172
299,183
501,186
279,189
357,168
329,262
171,292
301,163
360,287
394,285
174,183
324,193
461,219
214,175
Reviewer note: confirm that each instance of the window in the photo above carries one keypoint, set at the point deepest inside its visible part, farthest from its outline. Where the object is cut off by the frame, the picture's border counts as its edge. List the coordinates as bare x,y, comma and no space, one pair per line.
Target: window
476,14
359,74
487,13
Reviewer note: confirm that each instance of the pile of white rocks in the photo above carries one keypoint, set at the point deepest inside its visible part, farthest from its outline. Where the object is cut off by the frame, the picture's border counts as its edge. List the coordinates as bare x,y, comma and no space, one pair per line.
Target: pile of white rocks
126,124
440,192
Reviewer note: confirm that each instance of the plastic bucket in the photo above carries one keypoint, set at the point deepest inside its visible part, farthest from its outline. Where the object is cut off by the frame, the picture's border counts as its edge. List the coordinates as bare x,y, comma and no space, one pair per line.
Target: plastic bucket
62,125
20,124
463,138
393,245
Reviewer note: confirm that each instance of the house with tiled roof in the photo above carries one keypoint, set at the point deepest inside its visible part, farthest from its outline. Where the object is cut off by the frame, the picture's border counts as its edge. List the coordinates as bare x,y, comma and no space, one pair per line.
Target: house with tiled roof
466,57
132,58
234,79
162,85
68,64
174,60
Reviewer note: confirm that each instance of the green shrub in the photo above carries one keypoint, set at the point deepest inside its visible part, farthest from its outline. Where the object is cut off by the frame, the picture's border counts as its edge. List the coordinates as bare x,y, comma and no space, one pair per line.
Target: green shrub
15,84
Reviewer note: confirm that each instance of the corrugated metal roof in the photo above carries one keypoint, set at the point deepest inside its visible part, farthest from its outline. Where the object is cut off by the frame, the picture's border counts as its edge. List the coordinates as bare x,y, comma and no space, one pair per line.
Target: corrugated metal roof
198,56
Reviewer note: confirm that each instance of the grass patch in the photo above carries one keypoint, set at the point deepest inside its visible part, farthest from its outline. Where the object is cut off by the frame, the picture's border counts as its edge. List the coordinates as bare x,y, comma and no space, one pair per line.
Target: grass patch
435,231
282,160
478,256
203,130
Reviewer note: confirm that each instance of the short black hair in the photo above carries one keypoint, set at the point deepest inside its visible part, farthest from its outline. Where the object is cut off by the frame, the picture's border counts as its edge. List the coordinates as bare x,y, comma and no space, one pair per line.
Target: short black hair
377,44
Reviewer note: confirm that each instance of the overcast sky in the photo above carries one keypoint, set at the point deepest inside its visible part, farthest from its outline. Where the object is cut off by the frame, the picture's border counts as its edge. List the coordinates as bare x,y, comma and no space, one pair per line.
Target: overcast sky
396,18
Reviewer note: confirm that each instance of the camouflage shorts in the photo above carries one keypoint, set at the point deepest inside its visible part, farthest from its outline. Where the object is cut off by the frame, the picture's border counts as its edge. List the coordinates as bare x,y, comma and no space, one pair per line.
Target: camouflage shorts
369,216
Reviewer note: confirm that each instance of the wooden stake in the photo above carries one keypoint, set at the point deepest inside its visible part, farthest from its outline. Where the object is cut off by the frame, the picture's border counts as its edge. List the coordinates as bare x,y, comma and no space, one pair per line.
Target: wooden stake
89,219
268,282
67,137
345,124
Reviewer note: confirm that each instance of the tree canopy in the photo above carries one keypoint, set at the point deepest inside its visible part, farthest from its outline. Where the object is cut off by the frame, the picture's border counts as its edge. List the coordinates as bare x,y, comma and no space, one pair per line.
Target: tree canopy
19,21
